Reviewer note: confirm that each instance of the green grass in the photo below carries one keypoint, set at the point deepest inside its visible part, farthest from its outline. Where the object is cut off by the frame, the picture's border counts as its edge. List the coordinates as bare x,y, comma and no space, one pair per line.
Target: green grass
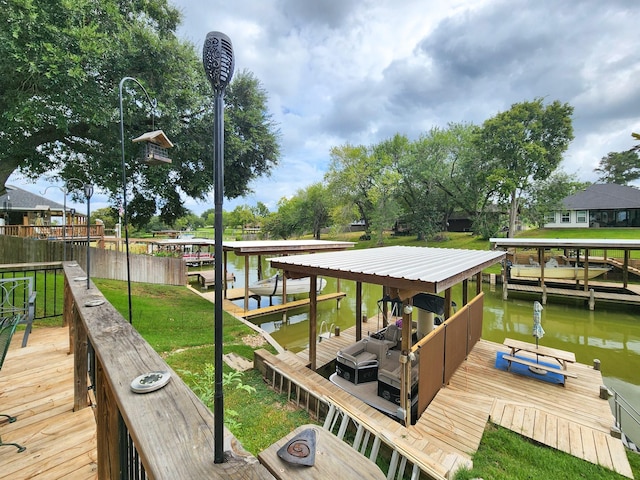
505,455
178,324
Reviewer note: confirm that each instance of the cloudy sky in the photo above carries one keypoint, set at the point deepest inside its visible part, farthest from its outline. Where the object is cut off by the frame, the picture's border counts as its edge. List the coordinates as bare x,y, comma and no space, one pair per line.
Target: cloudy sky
359,71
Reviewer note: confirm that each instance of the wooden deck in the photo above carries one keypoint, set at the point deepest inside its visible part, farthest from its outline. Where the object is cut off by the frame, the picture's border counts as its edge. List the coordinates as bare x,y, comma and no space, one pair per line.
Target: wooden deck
573,419
36,386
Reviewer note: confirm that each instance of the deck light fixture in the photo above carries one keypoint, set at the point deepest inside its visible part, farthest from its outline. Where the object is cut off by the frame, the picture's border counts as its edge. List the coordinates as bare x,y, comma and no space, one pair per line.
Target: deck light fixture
156,145
217,58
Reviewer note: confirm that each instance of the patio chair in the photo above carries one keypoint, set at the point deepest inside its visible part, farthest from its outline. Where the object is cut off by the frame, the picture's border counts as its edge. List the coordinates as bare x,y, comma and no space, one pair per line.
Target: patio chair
18,298
7,328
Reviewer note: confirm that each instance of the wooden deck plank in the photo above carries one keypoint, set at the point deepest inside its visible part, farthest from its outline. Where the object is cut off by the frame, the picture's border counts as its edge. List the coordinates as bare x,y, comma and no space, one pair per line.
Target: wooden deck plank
563,436
588,445
619,457
575,440
36,385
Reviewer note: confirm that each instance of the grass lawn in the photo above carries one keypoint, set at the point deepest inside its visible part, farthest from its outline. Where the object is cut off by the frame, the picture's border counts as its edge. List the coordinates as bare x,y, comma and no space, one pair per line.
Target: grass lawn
178,324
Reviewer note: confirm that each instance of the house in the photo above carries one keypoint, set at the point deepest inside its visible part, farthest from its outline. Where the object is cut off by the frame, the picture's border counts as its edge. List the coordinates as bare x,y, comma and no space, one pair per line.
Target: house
599,205
20,207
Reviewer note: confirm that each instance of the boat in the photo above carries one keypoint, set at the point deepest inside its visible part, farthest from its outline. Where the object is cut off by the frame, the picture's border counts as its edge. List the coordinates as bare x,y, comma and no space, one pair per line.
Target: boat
273,286
552,269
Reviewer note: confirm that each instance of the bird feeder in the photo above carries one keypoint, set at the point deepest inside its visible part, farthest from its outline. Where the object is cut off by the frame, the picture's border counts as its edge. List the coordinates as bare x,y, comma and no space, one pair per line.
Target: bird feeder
156,145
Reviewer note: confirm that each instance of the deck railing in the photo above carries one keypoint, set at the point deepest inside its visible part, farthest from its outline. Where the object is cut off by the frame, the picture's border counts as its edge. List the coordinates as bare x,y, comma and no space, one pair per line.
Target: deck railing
53,232
627,417
164,434
47,282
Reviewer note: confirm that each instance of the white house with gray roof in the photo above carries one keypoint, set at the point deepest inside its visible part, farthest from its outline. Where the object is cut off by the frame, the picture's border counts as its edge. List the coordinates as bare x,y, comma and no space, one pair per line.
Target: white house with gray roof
599,205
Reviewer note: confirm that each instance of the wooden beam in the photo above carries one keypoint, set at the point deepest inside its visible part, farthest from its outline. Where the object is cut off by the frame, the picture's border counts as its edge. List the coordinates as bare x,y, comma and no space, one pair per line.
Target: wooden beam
358,310
313,320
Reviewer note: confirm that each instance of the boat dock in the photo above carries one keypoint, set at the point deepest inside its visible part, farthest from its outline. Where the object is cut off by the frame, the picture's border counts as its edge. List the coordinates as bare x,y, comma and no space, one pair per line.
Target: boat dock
591,297
449,432
233,294
619,254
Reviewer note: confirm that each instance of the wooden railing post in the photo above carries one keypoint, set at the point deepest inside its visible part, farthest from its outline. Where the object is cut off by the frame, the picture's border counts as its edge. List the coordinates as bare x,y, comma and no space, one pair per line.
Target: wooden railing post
108,426
80,364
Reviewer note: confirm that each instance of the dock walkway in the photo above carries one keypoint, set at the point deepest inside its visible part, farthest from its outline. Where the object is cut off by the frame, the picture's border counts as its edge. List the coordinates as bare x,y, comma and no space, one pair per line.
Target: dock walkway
573,419
591,296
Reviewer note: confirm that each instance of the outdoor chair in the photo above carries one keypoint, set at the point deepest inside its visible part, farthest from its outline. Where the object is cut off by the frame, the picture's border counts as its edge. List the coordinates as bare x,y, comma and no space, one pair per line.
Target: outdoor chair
7,328
18,298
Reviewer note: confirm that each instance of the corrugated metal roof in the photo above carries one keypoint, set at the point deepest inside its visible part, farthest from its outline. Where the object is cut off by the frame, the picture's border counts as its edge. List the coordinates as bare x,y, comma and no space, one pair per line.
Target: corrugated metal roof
423,269
567,242
263,247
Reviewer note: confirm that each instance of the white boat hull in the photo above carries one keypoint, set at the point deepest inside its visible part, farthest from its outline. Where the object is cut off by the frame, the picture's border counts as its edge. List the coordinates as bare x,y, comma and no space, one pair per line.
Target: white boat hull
273,286
568,272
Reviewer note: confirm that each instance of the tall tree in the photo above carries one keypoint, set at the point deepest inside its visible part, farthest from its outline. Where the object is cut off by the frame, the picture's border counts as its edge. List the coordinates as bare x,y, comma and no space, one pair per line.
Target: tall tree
546,196
621,167
314,208
523,145
61,64
351,176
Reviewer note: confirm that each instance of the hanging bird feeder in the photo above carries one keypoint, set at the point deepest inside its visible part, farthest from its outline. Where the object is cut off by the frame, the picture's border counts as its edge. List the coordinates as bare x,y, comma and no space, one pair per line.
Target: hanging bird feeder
156,146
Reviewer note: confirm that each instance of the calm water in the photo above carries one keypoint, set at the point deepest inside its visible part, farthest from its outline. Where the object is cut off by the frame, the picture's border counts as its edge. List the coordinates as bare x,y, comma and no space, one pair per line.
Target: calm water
610,333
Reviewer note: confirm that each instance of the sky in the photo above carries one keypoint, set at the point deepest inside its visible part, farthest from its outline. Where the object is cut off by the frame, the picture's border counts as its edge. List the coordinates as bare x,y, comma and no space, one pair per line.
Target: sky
359,71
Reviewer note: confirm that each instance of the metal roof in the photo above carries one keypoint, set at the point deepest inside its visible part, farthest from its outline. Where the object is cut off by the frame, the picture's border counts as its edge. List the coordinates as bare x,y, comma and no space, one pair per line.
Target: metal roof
263,247
422,269
567,242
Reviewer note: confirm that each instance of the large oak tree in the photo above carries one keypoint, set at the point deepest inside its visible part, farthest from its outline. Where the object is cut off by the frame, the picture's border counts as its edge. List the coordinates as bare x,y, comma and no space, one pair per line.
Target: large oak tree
61,63
523,145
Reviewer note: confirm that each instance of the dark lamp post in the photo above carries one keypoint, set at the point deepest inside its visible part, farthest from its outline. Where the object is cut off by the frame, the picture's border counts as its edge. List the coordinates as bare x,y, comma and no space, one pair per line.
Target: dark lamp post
88,192
65,191
217,58
156,144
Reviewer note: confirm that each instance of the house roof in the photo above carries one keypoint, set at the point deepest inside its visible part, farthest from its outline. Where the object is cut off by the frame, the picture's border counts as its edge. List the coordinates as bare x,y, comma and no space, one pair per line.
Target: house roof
423,269
603,196
21,200
590,243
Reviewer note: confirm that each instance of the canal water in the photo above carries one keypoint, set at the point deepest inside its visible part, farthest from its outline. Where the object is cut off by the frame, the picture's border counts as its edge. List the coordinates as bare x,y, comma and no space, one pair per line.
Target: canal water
610,334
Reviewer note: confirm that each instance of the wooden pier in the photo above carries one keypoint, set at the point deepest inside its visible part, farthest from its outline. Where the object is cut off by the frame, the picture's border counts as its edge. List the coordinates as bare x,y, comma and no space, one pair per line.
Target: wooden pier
591,296
239,311
449,432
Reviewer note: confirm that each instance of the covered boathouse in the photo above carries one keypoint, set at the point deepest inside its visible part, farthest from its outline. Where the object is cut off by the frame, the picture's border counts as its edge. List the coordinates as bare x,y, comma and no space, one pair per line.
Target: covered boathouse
619,259
405,272
460,386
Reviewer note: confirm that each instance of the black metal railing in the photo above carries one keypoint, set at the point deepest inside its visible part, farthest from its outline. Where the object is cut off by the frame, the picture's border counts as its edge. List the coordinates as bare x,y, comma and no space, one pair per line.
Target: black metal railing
48,282
627,417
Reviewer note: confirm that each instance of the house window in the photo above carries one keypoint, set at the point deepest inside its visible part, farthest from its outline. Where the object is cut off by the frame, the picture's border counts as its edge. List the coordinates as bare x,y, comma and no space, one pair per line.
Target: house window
550,217
566,217
581,216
